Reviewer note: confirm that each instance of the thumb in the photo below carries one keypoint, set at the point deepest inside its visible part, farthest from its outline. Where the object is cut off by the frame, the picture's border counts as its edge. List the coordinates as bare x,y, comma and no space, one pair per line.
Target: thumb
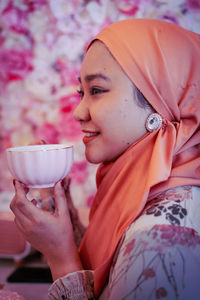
60,199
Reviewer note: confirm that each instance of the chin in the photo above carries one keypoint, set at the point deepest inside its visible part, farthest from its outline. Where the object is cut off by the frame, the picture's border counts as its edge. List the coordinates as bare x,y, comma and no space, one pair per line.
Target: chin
93,160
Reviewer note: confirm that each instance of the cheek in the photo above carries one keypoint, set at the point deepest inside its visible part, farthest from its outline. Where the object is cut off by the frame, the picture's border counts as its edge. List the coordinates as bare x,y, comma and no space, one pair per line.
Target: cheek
101,115
113,118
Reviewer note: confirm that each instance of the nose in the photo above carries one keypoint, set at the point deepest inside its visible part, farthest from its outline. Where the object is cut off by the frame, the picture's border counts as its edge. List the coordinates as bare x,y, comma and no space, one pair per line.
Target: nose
81,112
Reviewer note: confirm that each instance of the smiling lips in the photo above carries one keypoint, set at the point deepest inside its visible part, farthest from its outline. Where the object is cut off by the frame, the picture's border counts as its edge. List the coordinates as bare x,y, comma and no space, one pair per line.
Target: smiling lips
89,136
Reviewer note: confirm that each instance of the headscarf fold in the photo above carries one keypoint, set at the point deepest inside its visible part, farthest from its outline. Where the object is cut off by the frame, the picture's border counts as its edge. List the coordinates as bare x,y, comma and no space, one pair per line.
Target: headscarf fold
163,61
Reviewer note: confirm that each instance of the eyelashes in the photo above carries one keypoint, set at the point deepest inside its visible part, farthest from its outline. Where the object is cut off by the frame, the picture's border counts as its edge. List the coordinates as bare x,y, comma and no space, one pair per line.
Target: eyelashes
93,91
80,93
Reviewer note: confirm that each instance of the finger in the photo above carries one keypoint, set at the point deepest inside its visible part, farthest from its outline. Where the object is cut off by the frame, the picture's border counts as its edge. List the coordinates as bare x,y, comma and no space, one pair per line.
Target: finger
40,142
66,183
19,225
20,188
26,189
14,200
60,199
21,220
19,216
21,202
14,206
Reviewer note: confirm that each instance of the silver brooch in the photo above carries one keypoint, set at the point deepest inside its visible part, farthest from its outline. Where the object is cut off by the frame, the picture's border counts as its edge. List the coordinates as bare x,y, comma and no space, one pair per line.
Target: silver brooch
153,122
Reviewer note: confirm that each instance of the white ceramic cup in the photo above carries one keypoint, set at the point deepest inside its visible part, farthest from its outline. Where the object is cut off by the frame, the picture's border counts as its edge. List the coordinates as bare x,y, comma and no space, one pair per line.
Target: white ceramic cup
40,166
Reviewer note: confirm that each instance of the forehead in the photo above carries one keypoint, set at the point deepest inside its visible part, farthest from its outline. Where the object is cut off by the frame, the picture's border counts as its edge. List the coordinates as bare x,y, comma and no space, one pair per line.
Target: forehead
99,59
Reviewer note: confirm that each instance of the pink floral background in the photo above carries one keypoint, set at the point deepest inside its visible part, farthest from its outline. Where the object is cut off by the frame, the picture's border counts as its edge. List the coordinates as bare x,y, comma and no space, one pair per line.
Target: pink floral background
42,43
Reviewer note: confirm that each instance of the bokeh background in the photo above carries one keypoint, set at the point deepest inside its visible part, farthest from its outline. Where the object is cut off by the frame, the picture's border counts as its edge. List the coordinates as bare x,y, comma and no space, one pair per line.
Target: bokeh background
42,43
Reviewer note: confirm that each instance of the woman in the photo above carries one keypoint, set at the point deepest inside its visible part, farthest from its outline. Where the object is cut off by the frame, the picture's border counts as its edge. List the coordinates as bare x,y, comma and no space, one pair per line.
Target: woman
142,241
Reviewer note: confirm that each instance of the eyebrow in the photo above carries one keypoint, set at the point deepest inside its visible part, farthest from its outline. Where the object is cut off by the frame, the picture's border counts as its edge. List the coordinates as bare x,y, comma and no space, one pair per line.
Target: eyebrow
91,77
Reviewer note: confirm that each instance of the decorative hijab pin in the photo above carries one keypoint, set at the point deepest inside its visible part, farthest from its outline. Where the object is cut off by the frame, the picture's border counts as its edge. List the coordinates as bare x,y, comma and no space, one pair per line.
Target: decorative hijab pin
153,122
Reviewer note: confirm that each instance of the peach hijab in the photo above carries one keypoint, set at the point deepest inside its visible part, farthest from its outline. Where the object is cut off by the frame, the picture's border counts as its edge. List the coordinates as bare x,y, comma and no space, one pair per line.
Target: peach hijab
163,61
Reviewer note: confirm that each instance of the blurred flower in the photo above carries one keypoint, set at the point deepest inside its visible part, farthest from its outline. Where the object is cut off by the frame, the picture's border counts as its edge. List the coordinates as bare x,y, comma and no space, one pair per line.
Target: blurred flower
34,4
2,37
193,5
15,19
67,70
79,171
15,64
87,1
169,16
89,200
67,126
48,133
128,7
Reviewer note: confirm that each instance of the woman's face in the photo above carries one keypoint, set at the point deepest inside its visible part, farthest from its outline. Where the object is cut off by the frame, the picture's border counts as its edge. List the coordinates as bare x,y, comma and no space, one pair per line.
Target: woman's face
109,115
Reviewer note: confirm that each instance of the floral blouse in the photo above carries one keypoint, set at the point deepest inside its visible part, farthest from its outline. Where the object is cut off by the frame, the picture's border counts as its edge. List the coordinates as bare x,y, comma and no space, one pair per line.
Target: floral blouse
158,256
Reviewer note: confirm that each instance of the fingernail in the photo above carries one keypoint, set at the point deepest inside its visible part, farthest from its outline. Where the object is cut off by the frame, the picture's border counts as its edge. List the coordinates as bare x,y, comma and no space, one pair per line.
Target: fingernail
43,142
26,189
34,202
62,183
